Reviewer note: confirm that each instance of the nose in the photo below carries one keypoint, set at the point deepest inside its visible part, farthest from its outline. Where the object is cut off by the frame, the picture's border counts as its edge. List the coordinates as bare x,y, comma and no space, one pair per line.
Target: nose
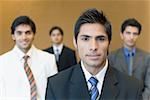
131,36
93,45
24,36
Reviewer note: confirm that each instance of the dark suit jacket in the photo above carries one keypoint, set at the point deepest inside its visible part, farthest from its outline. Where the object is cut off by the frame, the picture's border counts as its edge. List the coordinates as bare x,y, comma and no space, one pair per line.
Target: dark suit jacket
67,58
141,66
71,85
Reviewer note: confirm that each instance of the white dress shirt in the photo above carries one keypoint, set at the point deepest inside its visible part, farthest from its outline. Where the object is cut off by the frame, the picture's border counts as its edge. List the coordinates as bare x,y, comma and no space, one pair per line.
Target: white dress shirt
59,48
14,84
99,76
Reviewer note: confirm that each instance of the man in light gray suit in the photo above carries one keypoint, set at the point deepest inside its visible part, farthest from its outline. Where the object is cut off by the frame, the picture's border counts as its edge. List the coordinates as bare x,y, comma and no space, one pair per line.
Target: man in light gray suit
130,59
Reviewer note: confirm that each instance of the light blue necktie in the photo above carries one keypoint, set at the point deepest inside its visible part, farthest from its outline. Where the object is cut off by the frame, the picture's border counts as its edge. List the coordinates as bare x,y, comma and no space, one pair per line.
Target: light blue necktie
93,91
57,55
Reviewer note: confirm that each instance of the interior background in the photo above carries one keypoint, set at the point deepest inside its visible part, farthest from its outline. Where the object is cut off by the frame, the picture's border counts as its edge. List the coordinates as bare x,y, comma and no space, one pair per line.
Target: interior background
64,13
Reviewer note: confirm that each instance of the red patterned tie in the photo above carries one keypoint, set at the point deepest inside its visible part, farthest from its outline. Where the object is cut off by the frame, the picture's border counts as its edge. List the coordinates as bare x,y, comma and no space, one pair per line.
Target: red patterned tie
31,79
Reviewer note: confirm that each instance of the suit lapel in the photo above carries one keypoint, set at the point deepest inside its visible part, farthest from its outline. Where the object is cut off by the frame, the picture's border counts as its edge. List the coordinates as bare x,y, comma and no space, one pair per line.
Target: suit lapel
63,48
52,50
110,89
122,61
137,59
78,86
62,54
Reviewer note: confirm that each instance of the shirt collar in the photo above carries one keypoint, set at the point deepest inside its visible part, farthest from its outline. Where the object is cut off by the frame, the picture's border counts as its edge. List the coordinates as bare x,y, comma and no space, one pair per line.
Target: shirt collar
127,51
21,54
59,47
99,76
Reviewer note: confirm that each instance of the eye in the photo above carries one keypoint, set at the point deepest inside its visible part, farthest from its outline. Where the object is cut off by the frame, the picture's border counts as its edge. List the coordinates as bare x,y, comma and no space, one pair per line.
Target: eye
128,33
85,38
135,33
101,38
18,33
28,32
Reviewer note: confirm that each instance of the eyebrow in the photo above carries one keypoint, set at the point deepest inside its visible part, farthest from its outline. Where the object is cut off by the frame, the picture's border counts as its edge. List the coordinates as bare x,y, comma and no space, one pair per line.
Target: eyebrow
85,36
23,31
99,36
28,31
128,32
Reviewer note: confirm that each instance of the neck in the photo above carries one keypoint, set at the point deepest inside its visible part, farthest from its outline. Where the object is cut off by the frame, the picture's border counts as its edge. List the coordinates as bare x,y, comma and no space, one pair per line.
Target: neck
95,69
129,48
57,45
25,50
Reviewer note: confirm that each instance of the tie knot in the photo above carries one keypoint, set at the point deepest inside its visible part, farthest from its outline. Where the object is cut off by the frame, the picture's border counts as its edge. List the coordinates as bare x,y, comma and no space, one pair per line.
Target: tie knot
25,58
57,50
130,54
93,81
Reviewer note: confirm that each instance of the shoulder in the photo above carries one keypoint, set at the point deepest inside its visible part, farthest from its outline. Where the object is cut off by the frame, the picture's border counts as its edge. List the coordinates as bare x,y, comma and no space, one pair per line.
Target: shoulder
143,55
68,49
43,54
6,59
6,55
116,51
123,79
142,52
48,49
63,76
120,75
129,85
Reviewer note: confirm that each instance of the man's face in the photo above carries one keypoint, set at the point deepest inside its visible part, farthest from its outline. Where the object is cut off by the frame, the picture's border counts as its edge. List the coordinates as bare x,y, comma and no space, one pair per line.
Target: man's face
92,45
129,36
23,36
56,37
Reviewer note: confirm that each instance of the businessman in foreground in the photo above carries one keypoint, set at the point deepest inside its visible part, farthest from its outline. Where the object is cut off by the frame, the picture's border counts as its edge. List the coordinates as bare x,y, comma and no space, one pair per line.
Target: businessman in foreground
92,78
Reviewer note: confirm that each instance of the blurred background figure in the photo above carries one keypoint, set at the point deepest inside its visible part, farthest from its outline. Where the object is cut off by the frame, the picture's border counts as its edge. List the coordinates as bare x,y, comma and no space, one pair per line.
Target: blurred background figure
24,69
134,61
65,57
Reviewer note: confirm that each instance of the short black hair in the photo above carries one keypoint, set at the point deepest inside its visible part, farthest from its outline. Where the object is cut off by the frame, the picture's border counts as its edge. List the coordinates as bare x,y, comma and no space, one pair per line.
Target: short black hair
23,20
56,28
93,16
131,22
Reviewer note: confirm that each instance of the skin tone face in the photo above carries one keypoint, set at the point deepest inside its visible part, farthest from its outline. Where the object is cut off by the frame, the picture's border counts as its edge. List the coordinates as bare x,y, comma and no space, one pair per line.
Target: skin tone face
23,37
56,37
92,45
130,36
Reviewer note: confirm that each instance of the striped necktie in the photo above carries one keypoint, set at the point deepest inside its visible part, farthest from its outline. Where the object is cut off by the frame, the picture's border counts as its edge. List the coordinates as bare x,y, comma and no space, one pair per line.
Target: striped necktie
33,88
93,91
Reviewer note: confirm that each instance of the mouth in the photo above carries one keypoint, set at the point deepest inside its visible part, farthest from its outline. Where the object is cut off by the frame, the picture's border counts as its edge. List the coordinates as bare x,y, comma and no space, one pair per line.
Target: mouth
93,57
25,42
131,42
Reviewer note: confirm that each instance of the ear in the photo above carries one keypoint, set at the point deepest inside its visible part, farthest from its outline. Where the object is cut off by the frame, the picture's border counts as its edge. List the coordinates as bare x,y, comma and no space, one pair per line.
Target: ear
13,37
74,42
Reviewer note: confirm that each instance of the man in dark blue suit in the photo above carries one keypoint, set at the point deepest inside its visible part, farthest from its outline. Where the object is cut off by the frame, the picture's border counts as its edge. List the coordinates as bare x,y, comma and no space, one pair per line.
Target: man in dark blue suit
93,78
65,57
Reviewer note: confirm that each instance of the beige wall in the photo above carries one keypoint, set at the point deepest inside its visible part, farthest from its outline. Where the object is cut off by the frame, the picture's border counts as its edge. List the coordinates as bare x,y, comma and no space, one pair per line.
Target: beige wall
0,27
64,14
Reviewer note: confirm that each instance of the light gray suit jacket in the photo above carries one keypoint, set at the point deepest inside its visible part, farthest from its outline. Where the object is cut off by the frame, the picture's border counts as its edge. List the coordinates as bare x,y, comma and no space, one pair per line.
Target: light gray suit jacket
141,67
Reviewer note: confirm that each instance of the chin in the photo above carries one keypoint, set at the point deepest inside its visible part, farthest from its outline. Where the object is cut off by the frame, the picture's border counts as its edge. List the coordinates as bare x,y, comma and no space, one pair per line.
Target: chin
94,64
131,45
